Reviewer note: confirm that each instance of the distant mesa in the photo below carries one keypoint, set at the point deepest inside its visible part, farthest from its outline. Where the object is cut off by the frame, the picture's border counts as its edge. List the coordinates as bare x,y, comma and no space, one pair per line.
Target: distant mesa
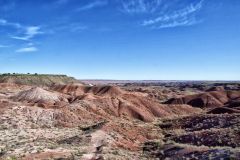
37,79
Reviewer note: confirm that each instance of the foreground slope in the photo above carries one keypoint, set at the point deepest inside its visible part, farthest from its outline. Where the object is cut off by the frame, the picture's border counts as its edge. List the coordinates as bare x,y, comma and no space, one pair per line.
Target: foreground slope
79,121
198,137
76,121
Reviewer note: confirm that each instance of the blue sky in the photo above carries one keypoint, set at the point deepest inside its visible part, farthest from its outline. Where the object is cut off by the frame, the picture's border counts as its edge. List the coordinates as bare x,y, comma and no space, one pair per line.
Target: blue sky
122,39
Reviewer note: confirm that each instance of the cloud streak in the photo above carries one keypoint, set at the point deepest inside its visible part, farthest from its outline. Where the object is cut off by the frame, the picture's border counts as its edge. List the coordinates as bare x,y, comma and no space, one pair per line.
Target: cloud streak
179,23
4,46
27,33
94,4
30,32
27,49
4,22
140,6
183,17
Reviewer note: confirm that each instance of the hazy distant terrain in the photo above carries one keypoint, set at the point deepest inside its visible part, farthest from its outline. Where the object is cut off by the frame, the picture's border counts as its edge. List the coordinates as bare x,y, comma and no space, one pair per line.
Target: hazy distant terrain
157,82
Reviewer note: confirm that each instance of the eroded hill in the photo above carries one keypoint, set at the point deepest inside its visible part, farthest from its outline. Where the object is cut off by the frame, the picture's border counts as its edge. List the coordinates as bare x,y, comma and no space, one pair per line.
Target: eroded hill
77,121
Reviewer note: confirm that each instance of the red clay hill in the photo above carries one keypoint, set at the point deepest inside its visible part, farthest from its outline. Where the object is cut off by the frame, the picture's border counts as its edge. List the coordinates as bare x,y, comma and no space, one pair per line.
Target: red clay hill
210,99
111,101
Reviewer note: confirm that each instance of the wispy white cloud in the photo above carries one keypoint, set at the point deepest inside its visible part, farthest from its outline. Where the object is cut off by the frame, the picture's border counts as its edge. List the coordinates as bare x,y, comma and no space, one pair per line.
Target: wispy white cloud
27,49
30,32
177,14
140,6
182,17
177,23
30,44
91,5
4,22
4,46
27,32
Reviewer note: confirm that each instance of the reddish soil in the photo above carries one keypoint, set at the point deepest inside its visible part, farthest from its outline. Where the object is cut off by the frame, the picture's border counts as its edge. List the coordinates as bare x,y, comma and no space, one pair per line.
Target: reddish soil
208,99
110,102
77,121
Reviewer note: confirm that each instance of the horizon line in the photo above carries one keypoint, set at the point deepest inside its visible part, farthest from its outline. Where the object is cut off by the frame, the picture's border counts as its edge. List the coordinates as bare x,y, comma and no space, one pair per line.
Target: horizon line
158,80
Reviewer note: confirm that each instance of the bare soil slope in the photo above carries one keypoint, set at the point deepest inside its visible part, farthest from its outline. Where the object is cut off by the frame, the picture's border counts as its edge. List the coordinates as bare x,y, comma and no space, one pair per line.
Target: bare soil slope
77,121
209,99
111,101
40,96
